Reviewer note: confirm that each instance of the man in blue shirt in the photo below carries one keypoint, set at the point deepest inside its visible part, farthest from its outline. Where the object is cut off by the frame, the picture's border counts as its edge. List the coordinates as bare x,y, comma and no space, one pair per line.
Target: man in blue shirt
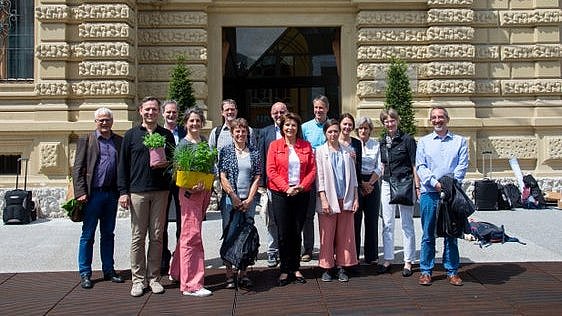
313,132
438,154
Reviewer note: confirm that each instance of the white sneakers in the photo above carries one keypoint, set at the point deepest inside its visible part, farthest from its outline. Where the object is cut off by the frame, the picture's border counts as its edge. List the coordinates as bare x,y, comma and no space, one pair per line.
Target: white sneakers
137,289
156,287
202,292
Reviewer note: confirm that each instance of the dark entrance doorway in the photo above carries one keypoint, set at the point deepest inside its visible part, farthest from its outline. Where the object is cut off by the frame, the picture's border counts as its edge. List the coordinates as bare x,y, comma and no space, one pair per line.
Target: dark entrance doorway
292,65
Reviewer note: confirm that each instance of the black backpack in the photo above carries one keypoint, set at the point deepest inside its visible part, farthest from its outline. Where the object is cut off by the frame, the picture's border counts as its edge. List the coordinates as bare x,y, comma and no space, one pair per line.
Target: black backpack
488,233
241,249
512,195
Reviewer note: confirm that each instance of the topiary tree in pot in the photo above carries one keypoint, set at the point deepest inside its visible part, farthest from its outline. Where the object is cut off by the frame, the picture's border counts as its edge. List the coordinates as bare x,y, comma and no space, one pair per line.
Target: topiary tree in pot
180,88
398,95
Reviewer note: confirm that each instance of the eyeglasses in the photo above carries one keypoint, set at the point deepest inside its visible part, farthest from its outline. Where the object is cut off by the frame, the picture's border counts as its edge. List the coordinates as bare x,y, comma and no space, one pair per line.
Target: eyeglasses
103,121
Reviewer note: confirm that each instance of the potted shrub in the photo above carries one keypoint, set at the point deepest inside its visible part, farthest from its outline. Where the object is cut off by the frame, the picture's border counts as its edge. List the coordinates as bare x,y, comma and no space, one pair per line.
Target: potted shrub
194,164
155,144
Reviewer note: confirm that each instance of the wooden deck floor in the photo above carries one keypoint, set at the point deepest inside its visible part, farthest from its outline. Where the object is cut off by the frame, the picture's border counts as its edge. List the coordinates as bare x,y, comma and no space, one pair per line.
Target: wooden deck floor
490,288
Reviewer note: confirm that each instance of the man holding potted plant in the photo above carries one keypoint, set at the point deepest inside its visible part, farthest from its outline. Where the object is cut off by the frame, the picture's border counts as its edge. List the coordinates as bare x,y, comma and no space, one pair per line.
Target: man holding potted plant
95,184
143,188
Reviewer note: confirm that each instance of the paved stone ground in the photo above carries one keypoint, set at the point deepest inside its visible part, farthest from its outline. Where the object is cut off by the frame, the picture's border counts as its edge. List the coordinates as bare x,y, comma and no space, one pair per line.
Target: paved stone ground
52,244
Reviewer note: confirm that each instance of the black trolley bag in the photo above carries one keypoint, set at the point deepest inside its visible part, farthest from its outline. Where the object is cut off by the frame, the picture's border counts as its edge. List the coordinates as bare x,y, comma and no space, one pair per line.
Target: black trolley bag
486,190
19,207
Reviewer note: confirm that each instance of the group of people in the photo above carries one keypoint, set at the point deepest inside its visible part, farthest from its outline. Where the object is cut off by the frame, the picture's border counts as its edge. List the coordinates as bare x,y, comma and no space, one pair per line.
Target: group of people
309,168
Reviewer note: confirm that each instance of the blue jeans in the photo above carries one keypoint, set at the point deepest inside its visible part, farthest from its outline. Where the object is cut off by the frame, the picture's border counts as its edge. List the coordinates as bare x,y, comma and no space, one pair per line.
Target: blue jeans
451,259
101,206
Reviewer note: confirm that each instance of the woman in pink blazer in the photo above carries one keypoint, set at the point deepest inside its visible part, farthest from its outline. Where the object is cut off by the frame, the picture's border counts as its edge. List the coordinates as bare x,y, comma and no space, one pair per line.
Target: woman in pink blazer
336,204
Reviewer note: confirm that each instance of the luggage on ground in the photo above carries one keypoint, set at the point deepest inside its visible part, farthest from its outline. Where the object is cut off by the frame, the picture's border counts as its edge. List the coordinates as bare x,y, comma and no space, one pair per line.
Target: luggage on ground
19,207
486,190
487,233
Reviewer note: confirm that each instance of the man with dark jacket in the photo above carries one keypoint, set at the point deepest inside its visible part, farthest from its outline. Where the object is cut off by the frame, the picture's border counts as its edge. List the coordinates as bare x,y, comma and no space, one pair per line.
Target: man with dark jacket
144,191
267,135
95,184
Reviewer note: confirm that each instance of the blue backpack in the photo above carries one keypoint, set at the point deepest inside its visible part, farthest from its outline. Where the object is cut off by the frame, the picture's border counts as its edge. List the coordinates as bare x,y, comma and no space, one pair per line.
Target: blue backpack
488,233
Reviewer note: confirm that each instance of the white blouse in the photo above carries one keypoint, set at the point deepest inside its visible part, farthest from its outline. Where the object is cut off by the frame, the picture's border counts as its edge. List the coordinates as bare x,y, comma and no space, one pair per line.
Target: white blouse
371,161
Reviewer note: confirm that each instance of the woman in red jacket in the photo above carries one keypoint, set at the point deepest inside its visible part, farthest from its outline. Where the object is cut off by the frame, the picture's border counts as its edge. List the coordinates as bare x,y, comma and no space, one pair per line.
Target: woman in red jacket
291,171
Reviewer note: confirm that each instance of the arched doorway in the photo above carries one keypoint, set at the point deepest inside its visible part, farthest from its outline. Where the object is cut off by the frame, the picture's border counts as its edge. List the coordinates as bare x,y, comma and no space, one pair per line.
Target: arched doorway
290,64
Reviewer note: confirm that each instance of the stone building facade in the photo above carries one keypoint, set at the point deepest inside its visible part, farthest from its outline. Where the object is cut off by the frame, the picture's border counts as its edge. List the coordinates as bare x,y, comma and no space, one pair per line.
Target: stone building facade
495,64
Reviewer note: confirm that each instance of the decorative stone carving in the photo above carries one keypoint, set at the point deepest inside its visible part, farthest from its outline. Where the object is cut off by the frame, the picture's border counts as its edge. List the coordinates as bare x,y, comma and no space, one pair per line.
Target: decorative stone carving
172,36
102,88
449,3
386,18
52,13
437,87
530,17
373,35
172,18
486,18
450,33
447,69
52,88
488,87
105,31
372,71
451,51
537,86
49,153
487,52
506,147
371,88
383,53
553,148
52,51
450,16
160,54
518,52
104,68
102,50
88,12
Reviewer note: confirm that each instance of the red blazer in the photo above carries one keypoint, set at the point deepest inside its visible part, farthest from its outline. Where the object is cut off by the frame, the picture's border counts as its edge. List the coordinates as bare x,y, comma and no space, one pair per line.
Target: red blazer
278,163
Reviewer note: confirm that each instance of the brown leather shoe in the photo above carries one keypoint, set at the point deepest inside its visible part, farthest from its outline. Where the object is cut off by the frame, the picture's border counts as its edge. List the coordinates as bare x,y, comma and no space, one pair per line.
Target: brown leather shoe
425,279
455,280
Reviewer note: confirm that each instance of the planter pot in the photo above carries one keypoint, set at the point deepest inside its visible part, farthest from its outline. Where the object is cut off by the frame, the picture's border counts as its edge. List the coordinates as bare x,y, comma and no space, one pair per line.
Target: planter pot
189,179
157,155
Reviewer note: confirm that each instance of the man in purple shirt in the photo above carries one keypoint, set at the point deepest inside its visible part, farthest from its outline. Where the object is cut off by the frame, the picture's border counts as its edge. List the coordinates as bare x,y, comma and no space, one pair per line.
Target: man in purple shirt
95,183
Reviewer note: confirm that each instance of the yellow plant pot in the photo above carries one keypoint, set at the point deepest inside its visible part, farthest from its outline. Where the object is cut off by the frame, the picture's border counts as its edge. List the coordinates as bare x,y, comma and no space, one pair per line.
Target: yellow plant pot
189,179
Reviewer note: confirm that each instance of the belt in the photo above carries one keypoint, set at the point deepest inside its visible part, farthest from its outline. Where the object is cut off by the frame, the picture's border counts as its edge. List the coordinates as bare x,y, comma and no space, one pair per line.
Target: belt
104,189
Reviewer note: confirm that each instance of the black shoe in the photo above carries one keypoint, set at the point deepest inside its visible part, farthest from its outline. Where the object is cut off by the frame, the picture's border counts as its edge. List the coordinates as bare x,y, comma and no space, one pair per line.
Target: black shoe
384,269
407,272
85,282
285,281
113,277
299,279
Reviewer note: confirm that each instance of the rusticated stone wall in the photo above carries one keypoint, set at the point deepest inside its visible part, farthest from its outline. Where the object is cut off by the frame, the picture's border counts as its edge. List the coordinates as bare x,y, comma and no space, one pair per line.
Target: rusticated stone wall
496,65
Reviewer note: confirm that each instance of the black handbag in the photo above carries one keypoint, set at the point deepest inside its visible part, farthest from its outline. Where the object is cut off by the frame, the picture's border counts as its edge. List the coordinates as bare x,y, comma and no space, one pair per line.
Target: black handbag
401,190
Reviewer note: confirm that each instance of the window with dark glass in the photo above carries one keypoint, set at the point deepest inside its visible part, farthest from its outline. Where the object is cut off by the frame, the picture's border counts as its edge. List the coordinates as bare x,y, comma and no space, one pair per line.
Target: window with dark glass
16,39
9,164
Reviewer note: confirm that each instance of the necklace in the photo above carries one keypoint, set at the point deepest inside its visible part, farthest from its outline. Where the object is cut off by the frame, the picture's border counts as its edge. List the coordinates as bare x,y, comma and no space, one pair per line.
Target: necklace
240,150
193,139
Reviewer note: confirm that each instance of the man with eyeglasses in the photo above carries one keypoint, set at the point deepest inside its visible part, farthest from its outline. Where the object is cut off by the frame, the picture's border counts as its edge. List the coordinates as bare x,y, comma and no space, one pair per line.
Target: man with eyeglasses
438,154
95,184
267,135
170,113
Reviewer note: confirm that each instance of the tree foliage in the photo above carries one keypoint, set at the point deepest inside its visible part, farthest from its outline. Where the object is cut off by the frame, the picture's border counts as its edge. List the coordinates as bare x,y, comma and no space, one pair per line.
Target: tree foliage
180,88
398,95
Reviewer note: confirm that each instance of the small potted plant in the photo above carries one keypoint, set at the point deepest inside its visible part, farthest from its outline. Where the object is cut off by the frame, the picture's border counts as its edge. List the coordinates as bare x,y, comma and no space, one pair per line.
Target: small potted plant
194,164
155,144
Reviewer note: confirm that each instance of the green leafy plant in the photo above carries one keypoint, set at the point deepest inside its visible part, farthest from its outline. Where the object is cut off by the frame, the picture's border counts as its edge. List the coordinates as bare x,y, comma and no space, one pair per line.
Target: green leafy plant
180,88
154,140
198,157
398,95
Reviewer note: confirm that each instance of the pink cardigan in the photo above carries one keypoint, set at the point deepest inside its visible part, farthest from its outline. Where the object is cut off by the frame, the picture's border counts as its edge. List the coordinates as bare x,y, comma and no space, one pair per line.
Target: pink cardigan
325,180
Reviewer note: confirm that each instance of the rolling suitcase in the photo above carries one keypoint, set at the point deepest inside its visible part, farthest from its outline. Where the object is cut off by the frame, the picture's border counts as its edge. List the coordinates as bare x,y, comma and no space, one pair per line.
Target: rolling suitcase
486,190
19,207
